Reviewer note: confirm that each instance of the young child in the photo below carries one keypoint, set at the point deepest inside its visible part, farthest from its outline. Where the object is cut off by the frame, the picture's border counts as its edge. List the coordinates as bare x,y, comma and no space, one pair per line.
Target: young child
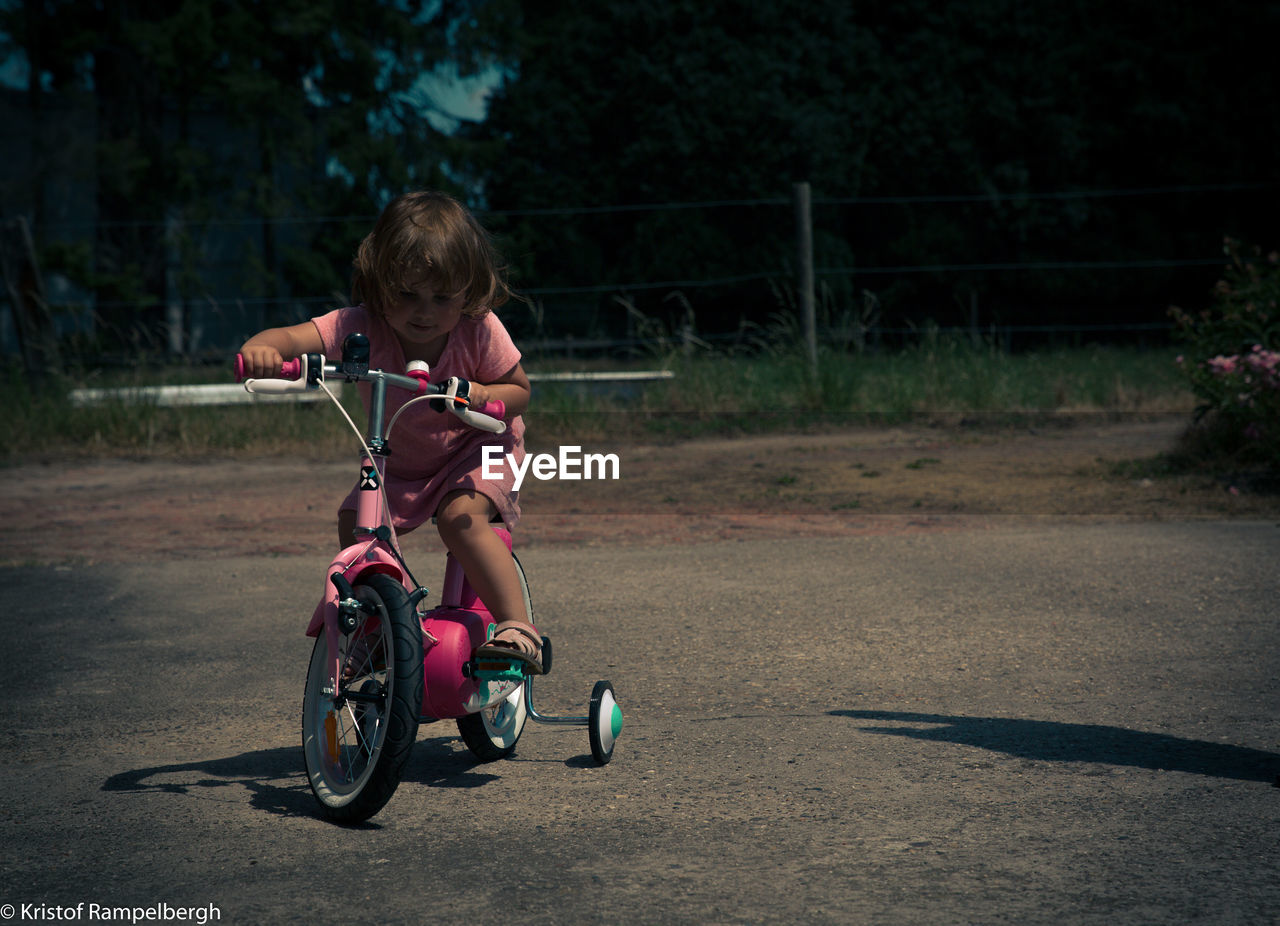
426,281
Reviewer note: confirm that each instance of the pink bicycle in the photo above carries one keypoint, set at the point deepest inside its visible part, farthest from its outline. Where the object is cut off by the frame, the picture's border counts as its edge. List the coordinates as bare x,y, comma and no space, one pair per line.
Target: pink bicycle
382,664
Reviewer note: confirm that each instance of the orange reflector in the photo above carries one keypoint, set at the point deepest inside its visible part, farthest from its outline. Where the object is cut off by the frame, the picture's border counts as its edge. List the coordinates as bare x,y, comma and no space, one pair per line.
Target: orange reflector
331,735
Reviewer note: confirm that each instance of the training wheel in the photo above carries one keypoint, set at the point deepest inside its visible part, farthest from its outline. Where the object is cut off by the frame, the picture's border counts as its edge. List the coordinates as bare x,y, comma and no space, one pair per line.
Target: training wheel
604,723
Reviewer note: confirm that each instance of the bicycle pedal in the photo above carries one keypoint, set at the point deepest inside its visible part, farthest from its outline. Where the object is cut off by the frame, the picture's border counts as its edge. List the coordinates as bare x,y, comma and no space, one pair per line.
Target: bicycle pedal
490,670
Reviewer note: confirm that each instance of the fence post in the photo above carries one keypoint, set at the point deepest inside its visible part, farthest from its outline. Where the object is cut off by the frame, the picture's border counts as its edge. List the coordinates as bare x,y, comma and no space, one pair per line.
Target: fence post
175,309
804,262
975,336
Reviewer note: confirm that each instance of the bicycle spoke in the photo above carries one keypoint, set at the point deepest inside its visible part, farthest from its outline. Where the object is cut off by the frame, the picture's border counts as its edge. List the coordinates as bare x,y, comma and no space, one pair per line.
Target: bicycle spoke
358,729
361,743
365,653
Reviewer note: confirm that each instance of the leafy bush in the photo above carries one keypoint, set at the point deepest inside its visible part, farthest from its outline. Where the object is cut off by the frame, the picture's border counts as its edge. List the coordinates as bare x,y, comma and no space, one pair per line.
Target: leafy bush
1233,357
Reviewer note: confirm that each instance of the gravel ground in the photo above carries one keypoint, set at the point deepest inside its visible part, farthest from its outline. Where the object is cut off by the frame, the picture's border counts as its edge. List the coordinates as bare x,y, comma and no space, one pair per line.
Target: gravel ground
832,716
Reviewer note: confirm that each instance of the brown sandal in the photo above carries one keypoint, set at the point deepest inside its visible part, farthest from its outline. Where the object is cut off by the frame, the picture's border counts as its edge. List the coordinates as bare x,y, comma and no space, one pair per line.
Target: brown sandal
522,643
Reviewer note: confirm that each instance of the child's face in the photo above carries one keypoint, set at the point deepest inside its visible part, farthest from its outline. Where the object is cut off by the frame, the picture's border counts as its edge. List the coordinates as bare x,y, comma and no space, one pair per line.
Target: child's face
420,315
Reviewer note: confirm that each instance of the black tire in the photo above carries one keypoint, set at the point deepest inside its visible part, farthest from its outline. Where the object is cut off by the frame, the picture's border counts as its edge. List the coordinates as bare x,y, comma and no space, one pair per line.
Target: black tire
492,733
375,717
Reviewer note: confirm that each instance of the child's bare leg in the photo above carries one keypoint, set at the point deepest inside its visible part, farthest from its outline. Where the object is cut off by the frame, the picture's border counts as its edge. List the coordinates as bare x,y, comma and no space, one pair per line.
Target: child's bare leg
463,522
346,528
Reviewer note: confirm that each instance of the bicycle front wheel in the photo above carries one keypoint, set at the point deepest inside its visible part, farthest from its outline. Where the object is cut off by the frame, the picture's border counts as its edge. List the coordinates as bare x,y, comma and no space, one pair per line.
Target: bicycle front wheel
358,729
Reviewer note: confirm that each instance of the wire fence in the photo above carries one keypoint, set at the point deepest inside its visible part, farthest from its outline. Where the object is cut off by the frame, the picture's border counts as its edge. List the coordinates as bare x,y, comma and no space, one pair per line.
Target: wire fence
256,305
993,197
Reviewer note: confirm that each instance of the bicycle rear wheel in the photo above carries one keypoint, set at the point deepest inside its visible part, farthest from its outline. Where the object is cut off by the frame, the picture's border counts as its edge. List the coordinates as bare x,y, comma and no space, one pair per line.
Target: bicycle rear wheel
357,738
492,733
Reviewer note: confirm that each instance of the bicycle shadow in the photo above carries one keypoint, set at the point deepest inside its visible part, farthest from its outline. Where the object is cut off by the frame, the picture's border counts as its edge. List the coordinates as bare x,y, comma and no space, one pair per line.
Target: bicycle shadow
276,779
437,764
1052,741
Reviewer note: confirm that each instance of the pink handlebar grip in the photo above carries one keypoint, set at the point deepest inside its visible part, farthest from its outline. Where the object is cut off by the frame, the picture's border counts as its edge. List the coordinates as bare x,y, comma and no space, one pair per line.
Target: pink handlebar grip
290,369
494,408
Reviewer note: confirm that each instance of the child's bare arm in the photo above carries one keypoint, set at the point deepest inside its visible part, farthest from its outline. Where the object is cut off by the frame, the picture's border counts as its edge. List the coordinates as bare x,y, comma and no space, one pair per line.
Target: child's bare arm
512,390
267,350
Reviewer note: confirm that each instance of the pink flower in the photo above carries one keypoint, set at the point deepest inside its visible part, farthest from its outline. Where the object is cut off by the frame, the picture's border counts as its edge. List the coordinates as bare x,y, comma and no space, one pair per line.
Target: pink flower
1223,366
1263,359
1265,363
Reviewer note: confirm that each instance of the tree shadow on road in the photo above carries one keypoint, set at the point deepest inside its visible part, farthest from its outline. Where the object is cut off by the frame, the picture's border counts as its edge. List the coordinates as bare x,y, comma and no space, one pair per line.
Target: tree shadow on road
1071,742
277,779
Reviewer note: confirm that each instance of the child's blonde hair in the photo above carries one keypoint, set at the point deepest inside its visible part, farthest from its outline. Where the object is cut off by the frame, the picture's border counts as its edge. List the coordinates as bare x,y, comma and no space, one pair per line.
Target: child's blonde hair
431,237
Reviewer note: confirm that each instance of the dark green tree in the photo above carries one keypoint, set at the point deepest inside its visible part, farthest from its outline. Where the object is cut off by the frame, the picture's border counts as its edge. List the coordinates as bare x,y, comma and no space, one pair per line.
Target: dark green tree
672,102
221,109
639,102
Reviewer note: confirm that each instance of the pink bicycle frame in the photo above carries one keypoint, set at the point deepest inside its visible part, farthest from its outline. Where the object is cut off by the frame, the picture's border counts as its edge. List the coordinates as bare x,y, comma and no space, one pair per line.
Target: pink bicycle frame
361,558
450,632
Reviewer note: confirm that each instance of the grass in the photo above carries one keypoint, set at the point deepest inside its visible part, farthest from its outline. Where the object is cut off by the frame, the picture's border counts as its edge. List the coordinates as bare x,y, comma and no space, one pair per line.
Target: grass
46,424
1207,449
946,381
941,380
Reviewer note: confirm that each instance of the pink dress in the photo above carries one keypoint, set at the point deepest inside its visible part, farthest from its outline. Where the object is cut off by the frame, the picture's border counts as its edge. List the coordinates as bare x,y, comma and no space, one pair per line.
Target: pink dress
433,453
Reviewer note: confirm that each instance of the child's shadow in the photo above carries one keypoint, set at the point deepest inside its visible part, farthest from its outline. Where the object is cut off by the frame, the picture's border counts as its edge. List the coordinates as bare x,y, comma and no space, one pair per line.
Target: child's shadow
277,778
1071,742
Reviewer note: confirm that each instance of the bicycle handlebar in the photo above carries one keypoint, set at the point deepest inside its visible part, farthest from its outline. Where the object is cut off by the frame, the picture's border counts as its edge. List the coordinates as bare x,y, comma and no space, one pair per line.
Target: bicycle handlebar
298,375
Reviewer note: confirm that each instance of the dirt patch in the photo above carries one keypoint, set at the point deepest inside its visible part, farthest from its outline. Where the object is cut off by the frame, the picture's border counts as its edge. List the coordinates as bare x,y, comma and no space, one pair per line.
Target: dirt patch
858,481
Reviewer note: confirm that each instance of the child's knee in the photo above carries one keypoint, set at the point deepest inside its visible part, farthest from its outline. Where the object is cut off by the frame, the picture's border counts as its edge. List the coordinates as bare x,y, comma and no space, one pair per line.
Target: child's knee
461,511
447,524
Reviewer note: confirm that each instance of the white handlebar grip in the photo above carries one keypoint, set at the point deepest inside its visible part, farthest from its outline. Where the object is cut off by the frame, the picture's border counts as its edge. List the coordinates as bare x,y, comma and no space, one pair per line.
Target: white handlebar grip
275,386
483,422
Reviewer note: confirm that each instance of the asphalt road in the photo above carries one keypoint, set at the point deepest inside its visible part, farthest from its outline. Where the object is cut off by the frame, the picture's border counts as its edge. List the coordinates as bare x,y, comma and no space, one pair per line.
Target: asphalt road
1043,722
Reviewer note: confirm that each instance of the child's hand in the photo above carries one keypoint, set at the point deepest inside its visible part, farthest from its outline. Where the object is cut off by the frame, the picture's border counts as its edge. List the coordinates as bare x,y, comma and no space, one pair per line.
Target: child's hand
266,351
478,396
261,361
